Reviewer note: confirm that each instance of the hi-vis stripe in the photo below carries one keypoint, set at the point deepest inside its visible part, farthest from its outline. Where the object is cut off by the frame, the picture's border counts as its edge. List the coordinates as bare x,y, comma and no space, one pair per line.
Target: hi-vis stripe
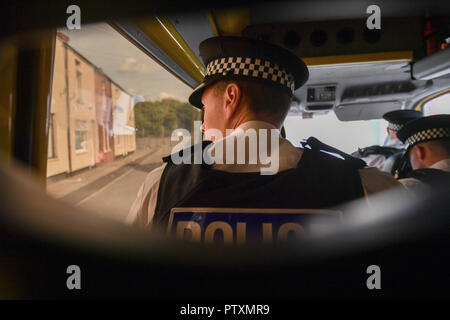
251,67
394,126
429,134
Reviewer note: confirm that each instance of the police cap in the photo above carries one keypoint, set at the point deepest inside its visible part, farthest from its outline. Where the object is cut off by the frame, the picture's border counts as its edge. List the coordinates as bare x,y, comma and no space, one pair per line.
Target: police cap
398,118
425,129
240,58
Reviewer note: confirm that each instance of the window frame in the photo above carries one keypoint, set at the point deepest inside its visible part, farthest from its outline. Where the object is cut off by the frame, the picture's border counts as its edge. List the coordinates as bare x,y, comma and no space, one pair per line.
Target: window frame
85,132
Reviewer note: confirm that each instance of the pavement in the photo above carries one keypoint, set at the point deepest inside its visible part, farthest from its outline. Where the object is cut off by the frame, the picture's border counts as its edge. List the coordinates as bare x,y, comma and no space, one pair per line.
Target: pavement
110,189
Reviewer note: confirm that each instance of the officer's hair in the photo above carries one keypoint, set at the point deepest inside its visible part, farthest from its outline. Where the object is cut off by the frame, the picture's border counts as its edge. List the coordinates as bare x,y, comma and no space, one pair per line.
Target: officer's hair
442,145
262,99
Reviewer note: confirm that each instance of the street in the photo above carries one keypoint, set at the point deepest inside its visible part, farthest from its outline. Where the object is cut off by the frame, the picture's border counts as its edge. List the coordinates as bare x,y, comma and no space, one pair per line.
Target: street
115,197
109,190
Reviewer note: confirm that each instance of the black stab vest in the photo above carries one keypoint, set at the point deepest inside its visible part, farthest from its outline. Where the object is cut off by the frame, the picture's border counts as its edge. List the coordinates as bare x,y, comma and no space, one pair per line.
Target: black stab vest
431,177
319,181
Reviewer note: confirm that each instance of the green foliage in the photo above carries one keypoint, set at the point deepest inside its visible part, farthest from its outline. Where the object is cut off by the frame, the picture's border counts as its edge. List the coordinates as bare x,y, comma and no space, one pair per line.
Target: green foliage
160,118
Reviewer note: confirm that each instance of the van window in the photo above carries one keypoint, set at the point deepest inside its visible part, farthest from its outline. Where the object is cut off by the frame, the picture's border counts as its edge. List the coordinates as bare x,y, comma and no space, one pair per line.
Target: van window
438,105
346,136
113,110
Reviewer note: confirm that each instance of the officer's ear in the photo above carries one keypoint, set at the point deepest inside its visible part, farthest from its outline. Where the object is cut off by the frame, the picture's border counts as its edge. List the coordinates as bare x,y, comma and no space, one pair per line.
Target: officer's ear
420,152
233,97
391,133
414,160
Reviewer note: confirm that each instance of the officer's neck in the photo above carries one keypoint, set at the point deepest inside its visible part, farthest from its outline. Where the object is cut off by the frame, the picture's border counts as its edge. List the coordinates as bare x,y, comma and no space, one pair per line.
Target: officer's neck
244,117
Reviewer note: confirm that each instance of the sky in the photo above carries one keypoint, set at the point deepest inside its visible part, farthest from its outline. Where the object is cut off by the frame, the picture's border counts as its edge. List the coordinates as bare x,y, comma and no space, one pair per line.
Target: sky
124,63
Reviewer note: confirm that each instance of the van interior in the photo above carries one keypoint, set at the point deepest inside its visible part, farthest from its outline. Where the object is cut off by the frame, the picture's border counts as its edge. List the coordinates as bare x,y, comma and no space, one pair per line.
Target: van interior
356,74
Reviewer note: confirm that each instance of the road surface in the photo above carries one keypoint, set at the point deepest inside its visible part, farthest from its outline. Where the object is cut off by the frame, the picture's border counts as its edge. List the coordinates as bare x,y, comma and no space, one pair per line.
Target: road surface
111,191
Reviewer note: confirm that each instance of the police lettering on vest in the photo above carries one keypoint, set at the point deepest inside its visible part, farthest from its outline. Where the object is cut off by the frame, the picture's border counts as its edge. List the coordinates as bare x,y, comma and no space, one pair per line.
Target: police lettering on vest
242,226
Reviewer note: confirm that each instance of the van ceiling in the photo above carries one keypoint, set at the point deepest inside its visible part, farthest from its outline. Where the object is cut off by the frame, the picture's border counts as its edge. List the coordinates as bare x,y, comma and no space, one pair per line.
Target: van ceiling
378,87
320,10
275,21
395,70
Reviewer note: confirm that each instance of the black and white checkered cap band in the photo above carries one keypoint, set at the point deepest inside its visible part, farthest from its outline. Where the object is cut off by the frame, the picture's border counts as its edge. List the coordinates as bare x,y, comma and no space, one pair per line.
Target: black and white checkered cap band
251,67
429,134
394,126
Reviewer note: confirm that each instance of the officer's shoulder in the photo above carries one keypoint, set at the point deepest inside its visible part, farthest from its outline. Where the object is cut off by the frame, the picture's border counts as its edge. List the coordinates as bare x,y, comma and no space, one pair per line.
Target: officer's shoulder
414,185
155,175
376,180
375,172
188,151
408,181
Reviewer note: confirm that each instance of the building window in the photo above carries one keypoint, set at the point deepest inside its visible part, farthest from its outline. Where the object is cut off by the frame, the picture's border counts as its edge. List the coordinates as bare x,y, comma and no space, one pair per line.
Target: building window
80,136
79,88
51,153
79,84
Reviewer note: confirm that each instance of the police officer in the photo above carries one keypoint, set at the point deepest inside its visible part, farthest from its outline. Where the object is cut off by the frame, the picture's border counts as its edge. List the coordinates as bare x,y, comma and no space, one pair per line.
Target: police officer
377,156
428,146
249,85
